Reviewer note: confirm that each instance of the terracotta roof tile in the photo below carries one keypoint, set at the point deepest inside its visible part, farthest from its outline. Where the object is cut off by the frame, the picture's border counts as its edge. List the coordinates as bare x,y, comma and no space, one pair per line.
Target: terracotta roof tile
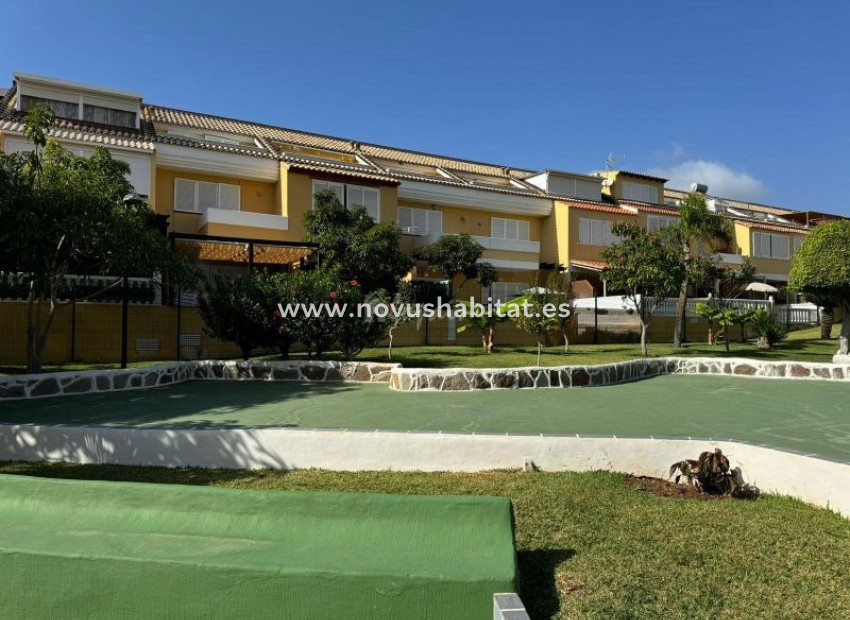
649,208
594,206
641,175
589,264
216,146
774,227
78,131
351,170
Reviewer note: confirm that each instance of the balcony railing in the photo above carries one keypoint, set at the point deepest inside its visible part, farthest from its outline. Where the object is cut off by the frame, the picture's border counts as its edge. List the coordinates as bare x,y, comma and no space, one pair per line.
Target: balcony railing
243,218
489,243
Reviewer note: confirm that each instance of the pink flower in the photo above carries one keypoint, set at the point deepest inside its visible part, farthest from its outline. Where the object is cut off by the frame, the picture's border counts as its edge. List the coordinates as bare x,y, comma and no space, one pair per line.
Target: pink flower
333,295
353,283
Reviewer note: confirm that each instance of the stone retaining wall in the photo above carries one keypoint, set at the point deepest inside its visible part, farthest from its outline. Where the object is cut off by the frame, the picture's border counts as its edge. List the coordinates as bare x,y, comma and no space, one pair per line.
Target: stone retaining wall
460,379
405,379
83,382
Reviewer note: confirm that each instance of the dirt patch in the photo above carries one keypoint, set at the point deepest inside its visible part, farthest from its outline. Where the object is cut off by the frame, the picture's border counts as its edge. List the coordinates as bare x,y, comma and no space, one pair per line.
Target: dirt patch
666,488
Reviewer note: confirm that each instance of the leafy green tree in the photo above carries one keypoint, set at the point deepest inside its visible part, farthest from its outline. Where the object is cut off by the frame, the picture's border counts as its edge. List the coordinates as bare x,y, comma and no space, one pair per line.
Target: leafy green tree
403,300
355,333
240,310
724,280
62,214
484,320
827,313
459,255
647,268
534,319
821,267
318,287
700,229
360,248
560,293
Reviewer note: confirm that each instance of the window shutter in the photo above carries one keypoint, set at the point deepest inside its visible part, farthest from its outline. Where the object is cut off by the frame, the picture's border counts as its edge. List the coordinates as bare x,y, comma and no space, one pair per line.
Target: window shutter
404,218
584,231
524,231
420,221
355,197
229,197
780,246
339,190
207,195
370,201
435,222
184,195
497,228
511,229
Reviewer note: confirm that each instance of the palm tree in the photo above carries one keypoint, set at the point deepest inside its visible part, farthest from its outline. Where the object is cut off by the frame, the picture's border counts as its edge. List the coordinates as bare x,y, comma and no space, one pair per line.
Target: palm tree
699,228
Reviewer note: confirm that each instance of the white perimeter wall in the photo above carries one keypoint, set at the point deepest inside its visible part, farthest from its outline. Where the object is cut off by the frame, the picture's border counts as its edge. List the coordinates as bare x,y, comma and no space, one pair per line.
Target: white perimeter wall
817,481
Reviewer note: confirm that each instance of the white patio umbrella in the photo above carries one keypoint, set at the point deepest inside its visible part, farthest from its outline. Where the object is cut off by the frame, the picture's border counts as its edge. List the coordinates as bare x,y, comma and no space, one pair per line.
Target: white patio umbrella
761,287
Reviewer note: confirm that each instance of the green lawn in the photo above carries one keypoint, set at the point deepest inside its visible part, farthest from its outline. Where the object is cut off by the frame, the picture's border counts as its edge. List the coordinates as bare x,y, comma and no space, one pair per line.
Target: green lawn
594,545
808,416
803,345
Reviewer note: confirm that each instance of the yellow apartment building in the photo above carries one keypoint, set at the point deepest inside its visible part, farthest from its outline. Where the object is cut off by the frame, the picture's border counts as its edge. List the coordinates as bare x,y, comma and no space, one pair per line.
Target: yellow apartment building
239,190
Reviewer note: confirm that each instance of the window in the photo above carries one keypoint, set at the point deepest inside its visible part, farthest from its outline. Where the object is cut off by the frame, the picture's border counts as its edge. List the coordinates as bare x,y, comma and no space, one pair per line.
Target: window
596,232
766,245
514,230
505,291
640,192
654,223
336,188
420,221
108,116
366,197
798,241
352,196
62,109
198,196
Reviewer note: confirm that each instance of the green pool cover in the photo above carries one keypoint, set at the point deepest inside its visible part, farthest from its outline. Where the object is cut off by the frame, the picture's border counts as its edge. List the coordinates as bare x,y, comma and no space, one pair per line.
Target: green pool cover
83,549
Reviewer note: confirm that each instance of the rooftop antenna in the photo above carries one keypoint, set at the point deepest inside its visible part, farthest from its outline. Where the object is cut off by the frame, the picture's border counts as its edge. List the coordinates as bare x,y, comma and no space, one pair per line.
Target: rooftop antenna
611,160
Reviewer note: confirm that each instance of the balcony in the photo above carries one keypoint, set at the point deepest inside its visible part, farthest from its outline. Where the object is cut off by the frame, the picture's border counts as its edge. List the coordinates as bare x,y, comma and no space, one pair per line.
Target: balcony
731,259
243,218
489,243
510,245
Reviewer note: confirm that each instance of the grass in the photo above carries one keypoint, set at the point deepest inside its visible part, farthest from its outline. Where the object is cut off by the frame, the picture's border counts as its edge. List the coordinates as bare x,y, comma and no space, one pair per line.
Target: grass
803,346
595,545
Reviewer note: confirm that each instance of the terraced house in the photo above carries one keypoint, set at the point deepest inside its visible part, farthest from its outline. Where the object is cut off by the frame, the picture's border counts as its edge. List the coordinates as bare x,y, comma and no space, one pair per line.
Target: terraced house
239,190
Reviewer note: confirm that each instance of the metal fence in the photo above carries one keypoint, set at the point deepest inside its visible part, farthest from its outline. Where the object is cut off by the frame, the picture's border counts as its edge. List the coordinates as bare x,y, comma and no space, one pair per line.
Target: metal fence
167,325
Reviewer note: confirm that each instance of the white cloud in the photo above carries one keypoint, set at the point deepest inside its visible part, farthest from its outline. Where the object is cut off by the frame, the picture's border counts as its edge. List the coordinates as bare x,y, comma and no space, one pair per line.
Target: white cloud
720,178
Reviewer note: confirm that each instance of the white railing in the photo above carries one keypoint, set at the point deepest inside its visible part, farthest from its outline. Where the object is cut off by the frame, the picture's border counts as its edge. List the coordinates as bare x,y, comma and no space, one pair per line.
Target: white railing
793,314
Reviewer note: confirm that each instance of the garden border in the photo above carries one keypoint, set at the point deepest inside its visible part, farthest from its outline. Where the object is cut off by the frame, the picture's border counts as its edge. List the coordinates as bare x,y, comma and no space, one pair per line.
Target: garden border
408,379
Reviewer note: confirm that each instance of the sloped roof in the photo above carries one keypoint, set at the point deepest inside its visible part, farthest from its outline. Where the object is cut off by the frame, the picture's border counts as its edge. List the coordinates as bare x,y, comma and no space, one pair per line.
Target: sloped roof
79,130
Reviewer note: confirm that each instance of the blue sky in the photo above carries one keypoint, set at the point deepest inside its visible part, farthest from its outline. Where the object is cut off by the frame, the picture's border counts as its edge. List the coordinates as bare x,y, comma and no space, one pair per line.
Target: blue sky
752,98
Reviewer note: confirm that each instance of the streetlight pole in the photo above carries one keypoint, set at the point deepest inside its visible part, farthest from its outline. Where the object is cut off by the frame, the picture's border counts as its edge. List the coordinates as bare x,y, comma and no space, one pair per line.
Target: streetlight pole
130,200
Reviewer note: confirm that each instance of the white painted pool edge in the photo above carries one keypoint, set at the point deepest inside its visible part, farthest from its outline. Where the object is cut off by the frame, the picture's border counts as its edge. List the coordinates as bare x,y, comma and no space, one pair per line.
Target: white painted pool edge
813,480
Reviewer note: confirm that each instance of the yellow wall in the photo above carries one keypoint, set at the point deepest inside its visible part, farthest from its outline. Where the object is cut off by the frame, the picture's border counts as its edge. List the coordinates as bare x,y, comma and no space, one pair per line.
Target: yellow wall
743,242
555,235
296,198
578,251
96,328
458,220
618,178
255,196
